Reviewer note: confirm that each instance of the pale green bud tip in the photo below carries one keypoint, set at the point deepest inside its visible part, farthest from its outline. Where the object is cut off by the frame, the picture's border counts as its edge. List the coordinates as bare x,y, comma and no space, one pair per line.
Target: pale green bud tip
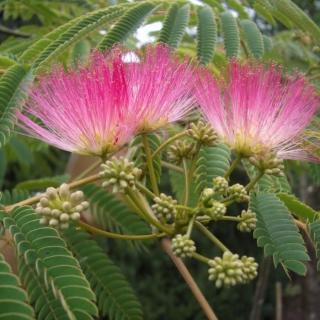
182,246
220,185
120,174
269,163
238,192
216,211
58,206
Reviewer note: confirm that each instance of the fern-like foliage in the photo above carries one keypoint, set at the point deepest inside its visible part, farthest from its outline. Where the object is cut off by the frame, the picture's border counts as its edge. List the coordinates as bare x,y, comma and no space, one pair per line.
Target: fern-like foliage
127,24
253,38
112,214
13,299
10,197
174,25
277,233
231,34
13,85
43,183
267,43
116,298
207,34
81,29
314,230
298,17
297,207
45,251
138,153
212,162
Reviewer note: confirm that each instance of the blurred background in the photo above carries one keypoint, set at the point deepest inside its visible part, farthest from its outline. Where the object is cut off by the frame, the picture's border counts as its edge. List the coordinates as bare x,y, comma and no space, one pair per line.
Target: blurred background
163,293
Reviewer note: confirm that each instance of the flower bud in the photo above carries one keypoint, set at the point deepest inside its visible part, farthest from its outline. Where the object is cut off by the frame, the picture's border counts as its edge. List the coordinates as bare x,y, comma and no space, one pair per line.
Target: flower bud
203,133
216,211
181,149
164,208
220,185
238,192
248,221
182,246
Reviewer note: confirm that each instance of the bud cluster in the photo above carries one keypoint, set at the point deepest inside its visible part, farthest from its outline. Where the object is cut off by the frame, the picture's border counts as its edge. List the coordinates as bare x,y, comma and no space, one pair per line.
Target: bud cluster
216,211
229,270
120,173
269,163
183,246
57,207
248,221
220,185
203,133
164,208
181,149
238,192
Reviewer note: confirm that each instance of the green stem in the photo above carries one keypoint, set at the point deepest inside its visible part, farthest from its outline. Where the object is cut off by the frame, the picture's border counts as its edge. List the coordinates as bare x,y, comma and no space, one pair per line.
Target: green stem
253,182
186,182
190,226
181,207
171,166
200,257
145,190
152,174
113,235
229,218
233,165
169,141
210,236
145,214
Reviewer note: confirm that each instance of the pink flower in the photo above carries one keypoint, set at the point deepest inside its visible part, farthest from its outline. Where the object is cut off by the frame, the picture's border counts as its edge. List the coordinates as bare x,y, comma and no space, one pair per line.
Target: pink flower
98,108
257,111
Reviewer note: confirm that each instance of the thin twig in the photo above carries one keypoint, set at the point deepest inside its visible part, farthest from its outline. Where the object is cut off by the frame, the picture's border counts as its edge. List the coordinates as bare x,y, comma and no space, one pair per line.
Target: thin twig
206,308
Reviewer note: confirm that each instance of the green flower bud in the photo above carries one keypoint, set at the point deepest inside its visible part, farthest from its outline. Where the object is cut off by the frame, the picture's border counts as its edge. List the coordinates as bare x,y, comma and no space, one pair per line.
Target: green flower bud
269,163
57,206
206,197
220,185
226,270
249,268
182,246
216,211
164,208
181,149
238,192
203,133
120,173
248,221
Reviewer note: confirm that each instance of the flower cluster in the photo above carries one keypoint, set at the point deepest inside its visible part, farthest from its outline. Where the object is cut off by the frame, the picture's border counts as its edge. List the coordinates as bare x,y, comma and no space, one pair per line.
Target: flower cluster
182,246
203,133
57,207
120,173
181,149
248,221
164,208
229,270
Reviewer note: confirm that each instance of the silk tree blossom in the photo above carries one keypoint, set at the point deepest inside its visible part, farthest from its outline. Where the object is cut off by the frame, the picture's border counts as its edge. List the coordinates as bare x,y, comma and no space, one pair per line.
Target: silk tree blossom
258,111
100,106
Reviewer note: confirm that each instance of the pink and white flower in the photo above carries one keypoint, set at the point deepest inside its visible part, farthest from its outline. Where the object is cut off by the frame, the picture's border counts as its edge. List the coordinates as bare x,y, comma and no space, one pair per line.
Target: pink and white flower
102,105
258,111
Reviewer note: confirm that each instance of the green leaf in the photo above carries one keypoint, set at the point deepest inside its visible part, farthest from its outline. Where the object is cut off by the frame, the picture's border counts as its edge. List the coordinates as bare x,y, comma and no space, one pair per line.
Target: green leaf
127,25
264,10
253,38
231,35
207,34
174,25
297,207
43,183
13,87
80,52
79,30
314,229
267,43
212,162
42,248
139,157
277,233
116,298
13,299
112,214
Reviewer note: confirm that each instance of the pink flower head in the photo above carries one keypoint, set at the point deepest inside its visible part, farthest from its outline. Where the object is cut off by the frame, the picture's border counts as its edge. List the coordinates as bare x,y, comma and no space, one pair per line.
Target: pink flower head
257,111
99,107
160,89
